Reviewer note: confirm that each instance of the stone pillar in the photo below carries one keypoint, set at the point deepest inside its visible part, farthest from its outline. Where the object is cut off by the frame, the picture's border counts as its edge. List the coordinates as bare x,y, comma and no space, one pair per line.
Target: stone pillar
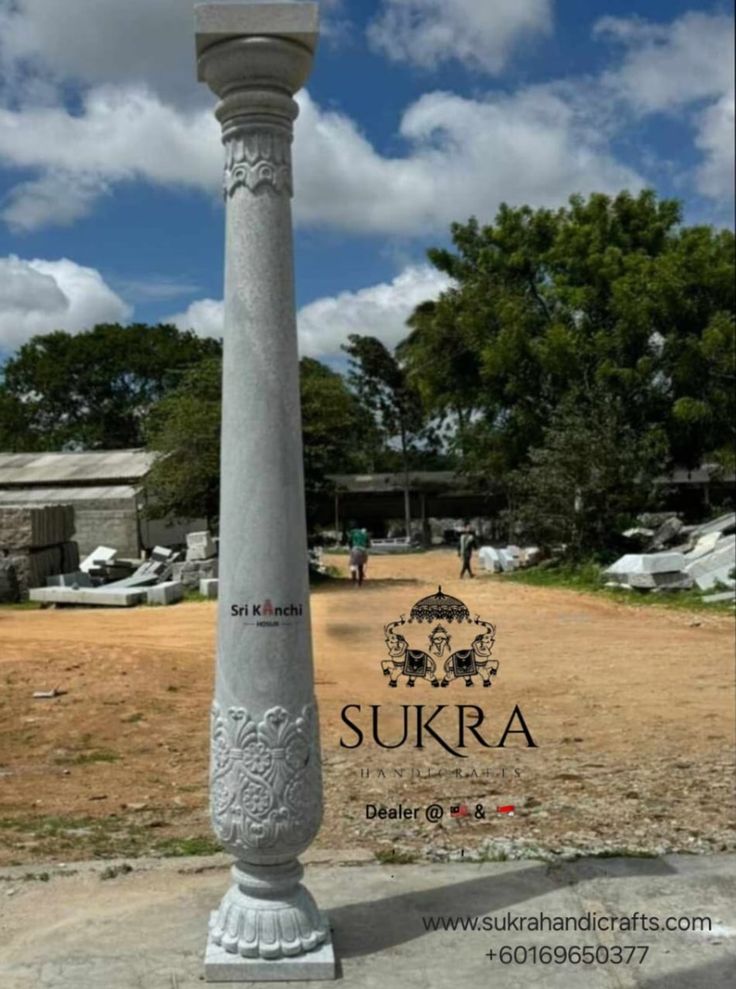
266,788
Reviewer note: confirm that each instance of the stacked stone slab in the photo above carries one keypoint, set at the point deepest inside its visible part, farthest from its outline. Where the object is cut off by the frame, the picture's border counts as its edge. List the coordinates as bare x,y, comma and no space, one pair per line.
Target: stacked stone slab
201,561
35,543
191,572
705,562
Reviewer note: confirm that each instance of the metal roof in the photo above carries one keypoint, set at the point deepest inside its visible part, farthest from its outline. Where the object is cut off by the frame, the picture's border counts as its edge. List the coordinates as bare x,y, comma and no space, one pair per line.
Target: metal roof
419,480
63,496
90,467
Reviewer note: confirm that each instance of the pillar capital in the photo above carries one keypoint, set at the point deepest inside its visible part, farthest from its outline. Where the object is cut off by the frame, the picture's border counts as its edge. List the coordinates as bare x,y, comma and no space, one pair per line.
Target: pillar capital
254,57
250,54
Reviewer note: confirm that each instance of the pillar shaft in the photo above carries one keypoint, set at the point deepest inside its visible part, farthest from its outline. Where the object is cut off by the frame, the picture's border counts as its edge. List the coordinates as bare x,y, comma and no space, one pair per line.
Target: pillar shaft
266,791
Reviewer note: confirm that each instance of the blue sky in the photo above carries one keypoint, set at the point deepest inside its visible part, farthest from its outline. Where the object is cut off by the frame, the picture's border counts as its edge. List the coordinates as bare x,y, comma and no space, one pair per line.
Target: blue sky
418,112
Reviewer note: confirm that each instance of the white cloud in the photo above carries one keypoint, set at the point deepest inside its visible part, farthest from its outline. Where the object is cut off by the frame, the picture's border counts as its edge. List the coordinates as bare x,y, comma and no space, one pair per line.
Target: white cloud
119,133
676,68
462,155
41,296
465,157
54,199
666,66
323,325
105,41
715,177
148,42
205,317
154,288
379,310
480,34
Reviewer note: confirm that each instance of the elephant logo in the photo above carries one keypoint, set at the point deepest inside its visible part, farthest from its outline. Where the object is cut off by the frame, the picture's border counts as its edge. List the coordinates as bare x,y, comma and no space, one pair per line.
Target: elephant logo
403,661
418,664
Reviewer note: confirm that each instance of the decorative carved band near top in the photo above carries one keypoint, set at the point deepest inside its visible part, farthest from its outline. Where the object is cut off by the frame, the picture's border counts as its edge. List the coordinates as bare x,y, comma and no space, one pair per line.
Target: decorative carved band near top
258,158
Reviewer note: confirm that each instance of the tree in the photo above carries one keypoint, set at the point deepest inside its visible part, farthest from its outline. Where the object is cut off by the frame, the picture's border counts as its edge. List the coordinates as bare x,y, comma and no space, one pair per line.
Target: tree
606,300
93,390
338,432
588,479
185,429
13,424
443,363
383,387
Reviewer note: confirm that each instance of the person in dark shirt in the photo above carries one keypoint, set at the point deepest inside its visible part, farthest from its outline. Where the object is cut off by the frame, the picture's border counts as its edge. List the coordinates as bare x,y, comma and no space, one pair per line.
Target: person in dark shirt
465,550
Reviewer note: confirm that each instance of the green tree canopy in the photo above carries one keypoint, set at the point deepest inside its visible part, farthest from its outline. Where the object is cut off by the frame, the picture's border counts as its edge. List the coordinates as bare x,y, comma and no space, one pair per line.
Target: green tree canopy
590,476
184,428
383,386
93,390
605,297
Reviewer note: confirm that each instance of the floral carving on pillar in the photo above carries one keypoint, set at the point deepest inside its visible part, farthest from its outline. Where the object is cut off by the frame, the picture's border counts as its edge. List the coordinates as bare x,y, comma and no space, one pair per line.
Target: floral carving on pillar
266,780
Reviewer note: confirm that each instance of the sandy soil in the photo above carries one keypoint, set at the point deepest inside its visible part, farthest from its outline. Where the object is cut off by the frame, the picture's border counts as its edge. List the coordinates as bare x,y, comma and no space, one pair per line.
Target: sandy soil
632,710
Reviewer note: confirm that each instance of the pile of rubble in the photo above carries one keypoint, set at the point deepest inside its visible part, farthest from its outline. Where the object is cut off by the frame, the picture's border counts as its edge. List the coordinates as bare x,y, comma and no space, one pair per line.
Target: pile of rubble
149,583
35,544
702,556
507,558
104,580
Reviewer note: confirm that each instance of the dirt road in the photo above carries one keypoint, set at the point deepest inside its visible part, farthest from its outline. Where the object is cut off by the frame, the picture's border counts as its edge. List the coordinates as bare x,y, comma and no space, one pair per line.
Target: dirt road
631,711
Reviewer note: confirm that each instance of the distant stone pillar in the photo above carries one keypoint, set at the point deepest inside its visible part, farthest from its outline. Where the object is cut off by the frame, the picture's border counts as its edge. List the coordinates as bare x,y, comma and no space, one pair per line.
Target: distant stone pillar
266,787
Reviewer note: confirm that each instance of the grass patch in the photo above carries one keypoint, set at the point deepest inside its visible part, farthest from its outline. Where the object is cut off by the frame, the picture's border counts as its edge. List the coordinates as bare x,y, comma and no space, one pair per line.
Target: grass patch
56,836
495,855
586,577
195,845
86,758
395,856
192,595
22,606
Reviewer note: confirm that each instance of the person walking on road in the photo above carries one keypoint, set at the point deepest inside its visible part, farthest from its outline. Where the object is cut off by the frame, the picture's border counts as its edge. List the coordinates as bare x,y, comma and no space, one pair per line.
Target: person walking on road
358,554
465,550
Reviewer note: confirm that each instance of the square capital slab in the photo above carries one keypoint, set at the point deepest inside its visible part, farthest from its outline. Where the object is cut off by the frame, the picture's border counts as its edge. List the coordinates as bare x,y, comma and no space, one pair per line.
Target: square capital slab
218,22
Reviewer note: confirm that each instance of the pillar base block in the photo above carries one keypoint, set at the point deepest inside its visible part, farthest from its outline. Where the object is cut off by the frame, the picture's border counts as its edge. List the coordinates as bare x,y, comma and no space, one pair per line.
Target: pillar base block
224,966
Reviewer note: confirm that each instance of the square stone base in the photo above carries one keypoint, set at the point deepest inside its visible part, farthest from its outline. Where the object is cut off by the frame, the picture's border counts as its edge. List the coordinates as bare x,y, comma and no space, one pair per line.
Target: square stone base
222,966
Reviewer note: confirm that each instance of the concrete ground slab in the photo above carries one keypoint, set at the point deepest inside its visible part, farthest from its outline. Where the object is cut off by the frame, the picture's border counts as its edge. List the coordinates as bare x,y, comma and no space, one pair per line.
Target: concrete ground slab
208,586
107,596
170,592
147,929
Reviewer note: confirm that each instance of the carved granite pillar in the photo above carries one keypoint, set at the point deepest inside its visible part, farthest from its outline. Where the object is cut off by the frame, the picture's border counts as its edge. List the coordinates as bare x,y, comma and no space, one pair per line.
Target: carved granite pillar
266,788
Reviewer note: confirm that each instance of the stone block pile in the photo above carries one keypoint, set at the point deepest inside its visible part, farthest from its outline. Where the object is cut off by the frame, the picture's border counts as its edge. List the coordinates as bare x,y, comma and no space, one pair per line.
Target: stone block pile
705,559
35,544
200,563
503,559
103,580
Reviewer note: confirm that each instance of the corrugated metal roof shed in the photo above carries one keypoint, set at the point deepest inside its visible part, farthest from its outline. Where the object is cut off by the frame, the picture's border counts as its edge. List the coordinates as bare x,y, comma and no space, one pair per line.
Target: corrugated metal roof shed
65,496
430,480
87,468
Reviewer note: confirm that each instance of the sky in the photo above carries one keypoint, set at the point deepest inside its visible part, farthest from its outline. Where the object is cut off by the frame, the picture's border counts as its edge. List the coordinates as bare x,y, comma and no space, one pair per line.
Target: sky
418,113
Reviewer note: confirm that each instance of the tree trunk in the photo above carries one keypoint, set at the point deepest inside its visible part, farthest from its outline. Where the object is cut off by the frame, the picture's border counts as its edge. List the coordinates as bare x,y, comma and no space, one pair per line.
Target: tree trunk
407,491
